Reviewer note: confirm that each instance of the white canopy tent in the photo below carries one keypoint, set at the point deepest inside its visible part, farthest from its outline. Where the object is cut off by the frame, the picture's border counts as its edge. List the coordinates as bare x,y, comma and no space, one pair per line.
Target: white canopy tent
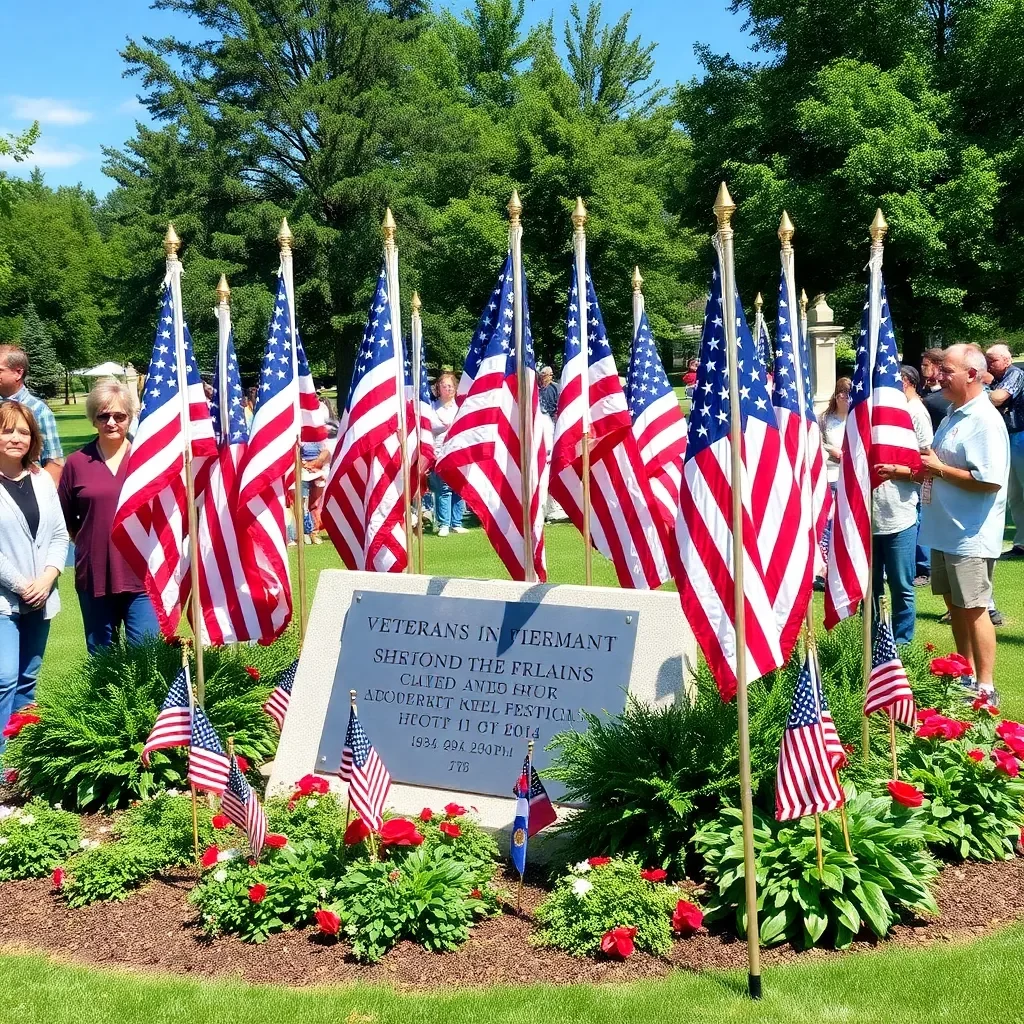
108,369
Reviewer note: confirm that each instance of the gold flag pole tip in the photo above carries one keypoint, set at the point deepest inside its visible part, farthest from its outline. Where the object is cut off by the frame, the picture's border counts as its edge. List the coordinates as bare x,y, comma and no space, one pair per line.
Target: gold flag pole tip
638,281
879,226
724,205
172,243
285,236
223,291
786,229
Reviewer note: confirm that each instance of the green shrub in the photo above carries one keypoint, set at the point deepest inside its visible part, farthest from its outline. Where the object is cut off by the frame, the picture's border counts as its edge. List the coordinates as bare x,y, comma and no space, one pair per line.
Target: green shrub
85,753
473,847
109,872
423,895
35,839
887,874
977,809
165,824
318,819
296,885
587,902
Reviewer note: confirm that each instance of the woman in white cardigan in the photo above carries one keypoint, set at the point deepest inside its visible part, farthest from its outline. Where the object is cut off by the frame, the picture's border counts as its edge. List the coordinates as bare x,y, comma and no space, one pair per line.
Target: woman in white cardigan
33,549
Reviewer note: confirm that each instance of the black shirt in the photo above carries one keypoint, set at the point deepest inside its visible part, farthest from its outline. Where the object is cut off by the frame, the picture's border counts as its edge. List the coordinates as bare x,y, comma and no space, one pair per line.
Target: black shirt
549,400
24,496
938,406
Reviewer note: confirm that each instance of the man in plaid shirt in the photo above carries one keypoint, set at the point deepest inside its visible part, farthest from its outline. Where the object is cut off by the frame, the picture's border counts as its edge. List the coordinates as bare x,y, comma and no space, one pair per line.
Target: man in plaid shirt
13,370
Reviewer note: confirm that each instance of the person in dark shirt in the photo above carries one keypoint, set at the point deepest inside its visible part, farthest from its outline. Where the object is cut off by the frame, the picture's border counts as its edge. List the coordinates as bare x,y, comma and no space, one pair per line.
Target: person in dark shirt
931,391
1006,393
548,392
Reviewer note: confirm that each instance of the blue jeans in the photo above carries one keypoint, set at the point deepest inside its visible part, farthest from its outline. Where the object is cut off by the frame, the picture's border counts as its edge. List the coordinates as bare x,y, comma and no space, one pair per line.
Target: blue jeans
1015,491
104,616
450,508
922,556
893,557
22,642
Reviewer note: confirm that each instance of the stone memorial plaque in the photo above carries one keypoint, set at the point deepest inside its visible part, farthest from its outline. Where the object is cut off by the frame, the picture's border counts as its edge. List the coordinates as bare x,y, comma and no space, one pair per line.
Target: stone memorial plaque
450,689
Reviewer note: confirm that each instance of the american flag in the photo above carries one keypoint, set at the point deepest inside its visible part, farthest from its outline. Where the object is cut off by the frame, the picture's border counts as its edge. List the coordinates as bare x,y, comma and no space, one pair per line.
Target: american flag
277,703
888,686
364,504
833,744
151,523
242,599
542,811
626,525
173,726
208,765
242,806
764,347
423,417
481,339
287,411
806,782
368,780
658,422
793,400
480,456
704,529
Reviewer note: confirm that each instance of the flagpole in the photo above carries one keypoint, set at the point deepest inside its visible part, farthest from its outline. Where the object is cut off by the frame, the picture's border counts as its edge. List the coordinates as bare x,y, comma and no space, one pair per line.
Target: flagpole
803,312
223,334
759,324
184,642
417,370
348,793
878,229
171,245
515,242
529,787
638,299
391,262
284,240
579,241
724,210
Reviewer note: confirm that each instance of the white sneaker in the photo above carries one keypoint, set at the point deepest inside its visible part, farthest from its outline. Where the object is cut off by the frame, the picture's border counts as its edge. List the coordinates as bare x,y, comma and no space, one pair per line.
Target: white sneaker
459,529
443,532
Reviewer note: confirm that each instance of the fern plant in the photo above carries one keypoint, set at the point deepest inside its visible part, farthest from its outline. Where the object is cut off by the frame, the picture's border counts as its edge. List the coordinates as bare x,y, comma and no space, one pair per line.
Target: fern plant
85,752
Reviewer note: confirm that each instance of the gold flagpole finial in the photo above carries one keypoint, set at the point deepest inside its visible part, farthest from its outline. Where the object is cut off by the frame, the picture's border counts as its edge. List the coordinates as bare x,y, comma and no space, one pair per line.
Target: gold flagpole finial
724,206
389,226
223,291
638,281
172,243
416,304
515,208
579,214
879,226
758,302
786,229
285,236
803,301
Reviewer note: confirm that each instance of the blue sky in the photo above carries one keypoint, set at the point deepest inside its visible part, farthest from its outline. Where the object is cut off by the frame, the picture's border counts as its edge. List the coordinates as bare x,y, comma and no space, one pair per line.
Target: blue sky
61,66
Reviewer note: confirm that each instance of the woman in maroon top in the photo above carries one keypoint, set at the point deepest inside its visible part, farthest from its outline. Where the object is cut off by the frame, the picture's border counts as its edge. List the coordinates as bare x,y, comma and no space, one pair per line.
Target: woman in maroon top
110,593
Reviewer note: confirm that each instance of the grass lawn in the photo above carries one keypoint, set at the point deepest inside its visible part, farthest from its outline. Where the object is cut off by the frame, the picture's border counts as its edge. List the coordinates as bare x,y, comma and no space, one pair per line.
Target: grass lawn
969,982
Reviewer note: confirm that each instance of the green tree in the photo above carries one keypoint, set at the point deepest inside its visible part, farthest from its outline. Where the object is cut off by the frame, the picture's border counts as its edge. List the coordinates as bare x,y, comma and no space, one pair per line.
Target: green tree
45,373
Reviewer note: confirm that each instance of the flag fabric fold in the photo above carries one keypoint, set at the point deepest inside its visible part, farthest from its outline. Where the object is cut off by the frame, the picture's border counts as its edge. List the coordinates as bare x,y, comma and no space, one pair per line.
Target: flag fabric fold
888,685
277,703
625,526
368,779
480,458
243,808
208,764
541,812
520,823
364,502
173,726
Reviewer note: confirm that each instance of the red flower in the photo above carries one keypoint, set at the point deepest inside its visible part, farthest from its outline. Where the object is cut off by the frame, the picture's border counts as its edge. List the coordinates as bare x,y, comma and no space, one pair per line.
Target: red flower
311,784
1006,762
17,722
1007,728
618,941
426,814
450,829
328,922
904,793
399,832
943,727
848,748
356,832
253,671
475,894
11,776
598,862
243,764
976,755
276,840
951,665
220,821
925,713
929,647
687,918
209,857
258,893
654,875
58,878
1015,743
454,810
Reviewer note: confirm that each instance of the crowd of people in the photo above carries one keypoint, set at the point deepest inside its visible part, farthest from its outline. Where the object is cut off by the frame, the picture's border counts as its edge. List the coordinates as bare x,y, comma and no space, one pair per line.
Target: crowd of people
942,526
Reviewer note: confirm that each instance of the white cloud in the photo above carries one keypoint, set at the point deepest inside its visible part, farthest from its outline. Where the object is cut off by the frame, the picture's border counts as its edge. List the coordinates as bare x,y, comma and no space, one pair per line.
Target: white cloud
132,106
47,111
47,156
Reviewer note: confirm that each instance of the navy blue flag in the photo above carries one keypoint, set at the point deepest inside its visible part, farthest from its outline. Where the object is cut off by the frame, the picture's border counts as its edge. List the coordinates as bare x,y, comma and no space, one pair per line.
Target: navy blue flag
521,825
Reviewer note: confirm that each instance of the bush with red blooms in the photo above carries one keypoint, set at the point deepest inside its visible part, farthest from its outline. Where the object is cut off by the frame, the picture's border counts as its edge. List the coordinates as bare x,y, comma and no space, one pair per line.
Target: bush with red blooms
450,829
687,918
952,666
610,909
254,673
257,893
465,841
328,923
454,810
17,722
36,838
970,778
904,793
399,832
356,832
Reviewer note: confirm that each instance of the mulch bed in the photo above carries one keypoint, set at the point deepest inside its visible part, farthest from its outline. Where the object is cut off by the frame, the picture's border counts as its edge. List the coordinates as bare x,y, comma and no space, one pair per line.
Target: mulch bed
156,930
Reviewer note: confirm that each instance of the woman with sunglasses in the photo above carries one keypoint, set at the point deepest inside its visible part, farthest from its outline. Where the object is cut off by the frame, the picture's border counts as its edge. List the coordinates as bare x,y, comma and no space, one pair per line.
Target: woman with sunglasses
111,595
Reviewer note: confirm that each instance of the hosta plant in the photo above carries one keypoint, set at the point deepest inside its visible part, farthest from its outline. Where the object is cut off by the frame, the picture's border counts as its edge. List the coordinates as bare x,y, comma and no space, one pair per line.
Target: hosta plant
35,839
598,896
885,878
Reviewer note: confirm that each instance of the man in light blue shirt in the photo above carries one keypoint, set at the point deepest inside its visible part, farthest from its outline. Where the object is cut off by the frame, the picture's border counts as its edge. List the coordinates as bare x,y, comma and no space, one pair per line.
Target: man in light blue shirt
964,506
13,371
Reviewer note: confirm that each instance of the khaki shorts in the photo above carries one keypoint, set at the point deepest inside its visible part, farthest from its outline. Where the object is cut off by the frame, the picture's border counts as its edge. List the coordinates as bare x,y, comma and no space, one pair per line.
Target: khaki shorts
966,579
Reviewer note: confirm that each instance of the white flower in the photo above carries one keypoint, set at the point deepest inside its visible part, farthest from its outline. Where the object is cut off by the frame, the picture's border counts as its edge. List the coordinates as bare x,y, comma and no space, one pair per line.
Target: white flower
312,802
58,806
220,876
6,812
582,868
84,844
28,819
581,886
172,792
224,855
4,840
323,892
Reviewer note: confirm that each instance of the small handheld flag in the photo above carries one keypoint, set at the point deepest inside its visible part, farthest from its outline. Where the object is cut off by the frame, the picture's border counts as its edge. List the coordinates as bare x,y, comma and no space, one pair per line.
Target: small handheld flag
888,686
541,812
173,726
277,703
521,824
243,808
368,779
208,764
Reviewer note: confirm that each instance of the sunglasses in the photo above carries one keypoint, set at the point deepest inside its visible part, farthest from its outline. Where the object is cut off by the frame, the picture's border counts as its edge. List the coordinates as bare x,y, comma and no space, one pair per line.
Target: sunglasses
117,417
